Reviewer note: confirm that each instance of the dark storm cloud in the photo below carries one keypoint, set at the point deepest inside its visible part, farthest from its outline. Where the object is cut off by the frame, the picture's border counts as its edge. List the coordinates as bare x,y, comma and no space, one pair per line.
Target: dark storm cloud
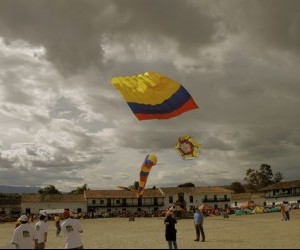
273,23
72,32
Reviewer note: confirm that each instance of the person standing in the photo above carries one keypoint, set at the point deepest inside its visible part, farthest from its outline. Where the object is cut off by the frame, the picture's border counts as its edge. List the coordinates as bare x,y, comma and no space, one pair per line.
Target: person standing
71,229
198,222
171,231
24,236
282,211
57,224
41,228
287,211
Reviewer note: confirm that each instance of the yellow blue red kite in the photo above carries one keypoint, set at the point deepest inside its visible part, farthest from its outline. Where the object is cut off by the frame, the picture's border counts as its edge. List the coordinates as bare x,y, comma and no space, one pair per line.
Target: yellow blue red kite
154,96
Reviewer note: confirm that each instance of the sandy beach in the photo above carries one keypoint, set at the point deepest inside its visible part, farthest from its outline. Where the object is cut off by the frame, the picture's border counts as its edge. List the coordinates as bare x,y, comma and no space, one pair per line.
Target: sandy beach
237,232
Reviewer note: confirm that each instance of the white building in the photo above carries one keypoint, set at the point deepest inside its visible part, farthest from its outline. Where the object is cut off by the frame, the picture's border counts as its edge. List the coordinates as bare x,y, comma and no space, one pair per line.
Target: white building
288,192
191,197
33,203
100,201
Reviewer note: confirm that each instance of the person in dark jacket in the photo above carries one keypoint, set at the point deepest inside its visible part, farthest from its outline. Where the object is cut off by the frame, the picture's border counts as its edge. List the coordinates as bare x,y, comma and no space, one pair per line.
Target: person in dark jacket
171,231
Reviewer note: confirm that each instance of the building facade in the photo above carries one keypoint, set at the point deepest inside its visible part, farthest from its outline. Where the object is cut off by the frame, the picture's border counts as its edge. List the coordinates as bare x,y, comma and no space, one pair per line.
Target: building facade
10,204
114,201
33,203
190,197
100,201
288,192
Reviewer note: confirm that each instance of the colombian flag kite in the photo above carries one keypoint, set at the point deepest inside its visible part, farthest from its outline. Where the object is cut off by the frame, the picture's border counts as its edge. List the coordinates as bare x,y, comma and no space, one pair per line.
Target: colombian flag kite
154,96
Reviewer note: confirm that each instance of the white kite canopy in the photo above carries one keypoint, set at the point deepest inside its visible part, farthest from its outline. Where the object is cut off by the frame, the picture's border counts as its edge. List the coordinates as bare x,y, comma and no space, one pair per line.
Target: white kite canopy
51,211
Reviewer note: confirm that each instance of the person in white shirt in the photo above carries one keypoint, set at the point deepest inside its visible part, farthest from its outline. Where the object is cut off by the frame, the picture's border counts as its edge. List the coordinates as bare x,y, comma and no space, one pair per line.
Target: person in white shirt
24,236
41,228
71,229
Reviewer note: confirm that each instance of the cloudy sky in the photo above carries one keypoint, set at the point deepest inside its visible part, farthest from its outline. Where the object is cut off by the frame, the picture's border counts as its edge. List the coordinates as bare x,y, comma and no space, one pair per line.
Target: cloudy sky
63,123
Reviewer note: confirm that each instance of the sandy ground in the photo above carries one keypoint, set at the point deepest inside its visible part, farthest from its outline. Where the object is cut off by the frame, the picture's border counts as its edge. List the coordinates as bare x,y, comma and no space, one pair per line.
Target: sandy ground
237,232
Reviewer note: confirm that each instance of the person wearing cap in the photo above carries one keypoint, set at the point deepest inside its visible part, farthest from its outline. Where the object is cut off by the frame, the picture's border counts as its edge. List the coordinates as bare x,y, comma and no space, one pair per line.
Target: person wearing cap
24,236
41,228
71,229
170,232
198,222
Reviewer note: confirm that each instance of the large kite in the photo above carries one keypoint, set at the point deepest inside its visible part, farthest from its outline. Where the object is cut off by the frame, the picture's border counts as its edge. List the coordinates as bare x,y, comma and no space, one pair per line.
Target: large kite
146,167
187,147
154,96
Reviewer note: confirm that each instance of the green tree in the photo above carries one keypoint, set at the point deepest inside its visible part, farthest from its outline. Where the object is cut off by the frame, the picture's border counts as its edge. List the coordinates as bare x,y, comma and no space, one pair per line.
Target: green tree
135,185
278,177
49,190
262,177
80,190
188,184
237,187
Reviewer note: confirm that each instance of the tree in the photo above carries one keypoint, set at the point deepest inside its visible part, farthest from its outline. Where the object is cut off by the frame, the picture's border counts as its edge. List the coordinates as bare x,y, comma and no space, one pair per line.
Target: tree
237,187
262,177
135,185
188,184
49,190
79,190
278,177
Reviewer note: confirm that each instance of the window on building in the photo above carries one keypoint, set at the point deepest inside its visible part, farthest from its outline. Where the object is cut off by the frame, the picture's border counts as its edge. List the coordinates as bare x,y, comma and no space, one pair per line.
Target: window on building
225,197
170,199
93,202
216,206
101,202
118,202
27,211
181,197
205,197
79,210
215,197
235,203
191,199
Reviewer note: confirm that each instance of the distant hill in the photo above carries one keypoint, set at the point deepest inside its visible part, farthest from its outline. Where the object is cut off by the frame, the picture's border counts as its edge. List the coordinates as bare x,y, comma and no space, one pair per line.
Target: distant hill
18,189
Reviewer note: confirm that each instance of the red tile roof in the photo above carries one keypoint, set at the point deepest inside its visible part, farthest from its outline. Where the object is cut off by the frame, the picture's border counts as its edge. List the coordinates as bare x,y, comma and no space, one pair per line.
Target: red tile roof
52,198
196,190
282,185
246,196
103,194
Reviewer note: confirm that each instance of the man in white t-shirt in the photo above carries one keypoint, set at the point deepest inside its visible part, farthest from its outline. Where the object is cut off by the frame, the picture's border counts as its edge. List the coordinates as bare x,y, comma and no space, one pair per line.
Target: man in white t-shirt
71,229
24,236
41,228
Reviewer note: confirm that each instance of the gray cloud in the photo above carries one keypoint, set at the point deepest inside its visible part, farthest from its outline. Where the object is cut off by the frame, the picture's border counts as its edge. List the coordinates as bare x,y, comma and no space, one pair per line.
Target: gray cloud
63,121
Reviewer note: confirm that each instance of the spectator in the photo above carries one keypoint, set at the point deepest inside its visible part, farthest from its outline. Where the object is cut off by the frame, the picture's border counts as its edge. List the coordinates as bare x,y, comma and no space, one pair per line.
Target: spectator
71,229
24,236
41,228
198,222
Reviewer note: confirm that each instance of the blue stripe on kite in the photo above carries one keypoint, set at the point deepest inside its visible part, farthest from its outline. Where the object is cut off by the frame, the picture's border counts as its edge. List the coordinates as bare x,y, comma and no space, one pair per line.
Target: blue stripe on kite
179,98
142,173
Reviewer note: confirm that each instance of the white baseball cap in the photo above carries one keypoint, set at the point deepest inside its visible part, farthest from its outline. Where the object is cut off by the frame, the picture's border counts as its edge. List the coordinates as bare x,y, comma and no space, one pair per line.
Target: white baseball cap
23,218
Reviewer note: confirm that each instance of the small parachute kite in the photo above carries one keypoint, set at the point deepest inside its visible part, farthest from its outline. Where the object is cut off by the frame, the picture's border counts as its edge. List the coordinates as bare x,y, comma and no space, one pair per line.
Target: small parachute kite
154,96
148,163
187,147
